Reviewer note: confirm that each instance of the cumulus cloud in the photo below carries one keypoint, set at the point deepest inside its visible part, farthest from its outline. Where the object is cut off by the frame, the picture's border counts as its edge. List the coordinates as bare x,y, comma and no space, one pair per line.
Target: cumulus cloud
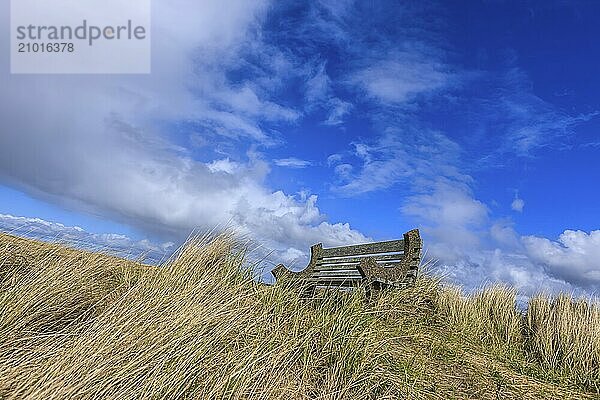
488,266
472,249
574,257
504,235
517,204
451,217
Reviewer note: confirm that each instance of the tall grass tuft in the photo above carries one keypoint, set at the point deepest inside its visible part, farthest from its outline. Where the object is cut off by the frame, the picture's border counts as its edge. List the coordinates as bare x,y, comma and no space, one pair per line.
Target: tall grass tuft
489,314
564,334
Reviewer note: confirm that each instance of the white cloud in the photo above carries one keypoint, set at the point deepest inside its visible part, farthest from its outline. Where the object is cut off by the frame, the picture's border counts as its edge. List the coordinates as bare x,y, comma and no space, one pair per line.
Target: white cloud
402,78
475,269
292,162
318,86
450,217
333,159
382,165
338,110
504,235
398,157
575,257
519,123
319,94
224,165
517,204
473,250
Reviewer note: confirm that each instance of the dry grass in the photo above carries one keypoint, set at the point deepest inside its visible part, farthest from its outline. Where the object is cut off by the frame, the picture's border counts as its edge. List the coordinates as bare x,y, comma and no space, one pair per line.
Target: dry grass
75,324
560,335
564,334
490,314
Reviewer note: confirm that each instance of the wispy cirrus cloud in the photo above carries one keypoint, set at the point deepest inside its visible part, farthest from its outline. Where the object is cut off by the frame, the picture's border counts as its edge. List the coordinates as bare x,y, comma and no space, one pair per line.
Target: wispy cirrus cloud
515,122
403,77
292,162
319,94
398,157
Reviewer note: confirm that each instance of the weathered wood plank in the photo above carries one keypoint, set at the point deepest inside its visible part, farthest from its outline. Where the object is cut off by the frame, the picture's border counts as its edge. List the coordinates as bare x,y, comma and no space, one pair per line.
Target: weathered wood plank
354,259
343,286
338,270
353,267
329,274
337,282
334,278
390,264
368,248
346,286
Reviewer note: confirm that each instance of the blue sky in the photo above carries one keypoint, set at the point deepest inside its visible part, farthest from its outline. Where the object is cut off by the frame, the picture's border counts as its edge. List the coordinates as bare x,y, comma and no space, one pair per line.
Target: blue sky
332,121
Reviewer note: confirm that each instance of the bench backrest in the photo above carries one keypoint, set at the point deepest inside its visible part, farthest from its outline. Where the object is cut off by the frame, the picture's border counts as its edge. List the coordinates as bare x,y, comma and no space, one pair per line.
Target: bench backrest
338,266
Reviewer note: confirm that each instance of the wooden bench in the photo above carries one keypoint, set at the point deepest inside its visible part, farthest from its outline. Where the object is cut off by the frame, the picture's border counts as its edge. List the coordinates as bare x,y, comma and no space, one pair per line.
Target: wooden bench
372,265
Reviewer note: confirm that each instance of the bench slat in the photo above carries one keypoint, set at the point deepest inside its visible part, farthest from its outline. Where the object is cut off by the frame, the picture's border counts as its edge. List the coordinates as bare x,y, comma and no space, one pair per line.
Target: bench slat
369,248
334,277
337,271
338,285
336,282
336,266
325,275
390,264
345,260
